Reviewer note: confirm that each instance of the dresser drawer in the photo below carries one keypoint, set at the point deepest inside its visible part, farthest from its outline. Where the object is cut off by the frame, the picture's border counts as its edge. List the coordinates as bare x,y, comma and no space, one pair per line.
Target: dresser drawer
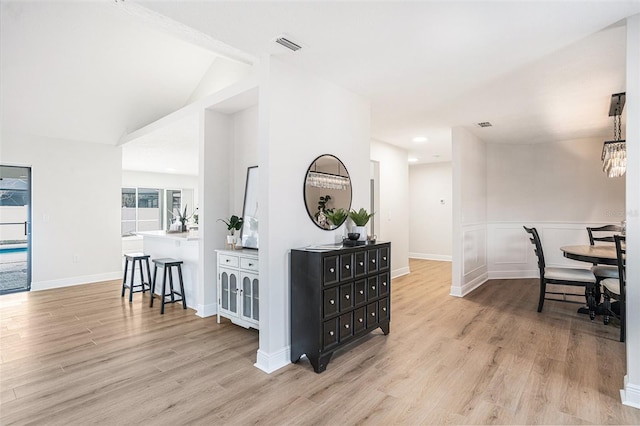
359,320
346,267
384,284
372,288
346,297
359,288
330,270
330,304
372,314
330,333
346,326
383,258
360,263
226,260
372,260
383,309
250,264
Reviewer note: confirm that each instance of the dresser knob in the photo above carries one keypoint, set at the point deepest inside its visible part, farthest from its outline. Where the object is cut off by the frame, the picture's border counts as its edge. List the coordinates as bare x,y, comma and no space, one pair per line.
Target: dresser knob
346,326
331,333
346,266
373,261
384,309
333,302
384,283
373,287
361,291
251,264
361,263
384,258
360,320
373,314
346,296
332,270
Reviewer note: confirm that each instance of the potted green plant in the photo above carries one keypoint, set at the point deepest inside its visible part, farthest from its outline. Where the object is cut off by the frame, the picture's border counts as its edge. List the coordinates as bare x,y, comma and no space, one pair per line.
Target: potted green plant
337,216
182,218
360,219
234,223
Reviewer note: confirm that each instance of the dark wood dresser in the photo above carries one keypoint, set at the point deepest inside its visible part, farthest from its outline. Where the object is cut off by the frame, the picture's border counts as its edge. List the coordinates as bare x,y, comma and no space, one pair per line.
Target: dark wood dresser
337,296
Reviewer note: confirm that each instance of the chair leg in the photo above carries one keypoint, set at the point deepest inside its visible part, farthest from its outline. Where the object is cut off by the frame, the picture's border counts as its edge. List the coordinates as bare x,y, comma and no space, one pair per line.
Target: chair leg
133,274
153,284
124,280
543,291
164,289
184,301
607,308
591,301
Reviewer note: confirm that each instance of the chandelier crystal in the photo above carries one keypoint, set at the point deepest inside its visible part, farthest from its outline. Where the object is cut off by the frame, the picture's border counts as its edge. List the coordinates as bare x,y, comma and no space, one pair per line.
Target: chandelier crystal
614,153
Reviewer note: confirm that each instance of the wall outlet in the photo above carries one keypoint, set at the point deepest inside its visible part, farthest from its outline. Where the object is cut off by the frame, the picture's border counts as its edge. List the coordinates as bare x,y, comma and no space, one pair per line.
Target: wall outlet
76,258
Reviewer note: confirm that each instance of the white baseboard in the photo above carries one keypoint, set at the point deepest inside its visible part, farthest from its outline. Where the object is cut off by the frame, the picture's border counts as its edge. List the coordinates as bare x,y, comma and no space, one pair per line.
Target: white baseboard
469,287
209,310
630,395
71,281
272,362
400,272
427,256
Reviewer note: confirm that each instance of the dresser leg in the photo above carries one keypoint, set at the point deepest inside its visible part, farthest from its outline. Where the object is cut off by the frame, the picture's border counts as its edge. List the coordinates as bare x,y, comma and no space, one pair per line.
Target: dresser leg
385,328
319,363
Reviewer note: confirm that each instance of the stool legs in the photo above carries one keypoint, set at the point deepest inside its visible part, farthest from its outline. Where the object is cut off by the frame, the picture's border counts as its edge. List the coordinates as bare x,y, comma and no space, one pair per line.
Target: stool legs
143,285
184,302
124,280
153,284
167,270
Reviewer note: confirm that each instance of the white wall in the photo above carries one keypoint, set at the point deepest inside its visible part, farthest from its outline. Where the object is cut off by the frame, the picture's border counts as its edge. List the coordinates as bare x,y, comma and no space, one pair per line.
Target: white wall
631,392
300,117
245,154
564,183
469,256
393,215
76,208
430,211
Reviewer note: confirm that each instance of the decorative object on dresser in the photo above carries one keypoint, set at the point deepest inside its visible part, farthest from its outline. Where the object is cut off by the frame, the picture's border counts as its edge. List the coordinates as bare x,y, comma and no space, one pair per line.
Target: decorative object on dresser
360,219
338,295
327,192
238,292
234,223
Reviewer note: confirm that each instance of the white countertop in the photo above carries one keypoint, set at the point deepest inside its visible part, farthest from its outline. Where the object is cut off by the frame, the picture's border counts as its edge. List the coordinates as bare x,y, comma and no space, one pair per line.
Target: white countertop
180,236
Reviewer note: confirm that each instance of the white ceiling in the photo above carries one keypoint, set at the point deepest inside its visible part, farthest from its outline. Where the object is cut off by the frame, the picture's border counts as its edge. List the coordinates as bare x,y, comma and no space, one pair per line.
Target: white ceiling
539,71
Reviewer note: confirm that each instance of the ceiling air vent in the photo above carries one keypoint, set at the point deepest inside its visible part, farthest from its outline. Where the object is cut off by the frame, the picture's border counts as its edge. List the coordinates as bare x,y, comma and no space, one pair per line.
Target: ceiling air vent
484,124
288,43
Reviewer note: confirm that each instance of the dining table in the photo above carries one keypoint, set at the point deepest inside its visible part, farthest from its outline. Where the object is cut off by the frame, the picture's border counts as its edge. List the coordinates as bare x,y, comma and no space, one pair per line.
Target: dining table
602,254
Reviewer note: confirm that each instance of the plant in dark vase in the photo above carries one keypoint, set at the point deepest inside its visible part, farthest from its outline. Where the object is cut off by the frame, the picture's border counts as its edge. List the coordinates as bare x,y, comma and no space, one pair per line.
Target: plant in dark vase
360,219
234,223
182,219
321,214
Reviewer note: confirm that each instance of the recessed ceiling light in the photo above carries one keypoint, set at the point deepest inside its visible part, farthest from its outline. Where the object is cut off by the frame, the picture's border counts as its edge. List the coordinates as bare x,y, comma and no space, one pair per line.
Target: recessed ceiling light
484,124
413,159
419,139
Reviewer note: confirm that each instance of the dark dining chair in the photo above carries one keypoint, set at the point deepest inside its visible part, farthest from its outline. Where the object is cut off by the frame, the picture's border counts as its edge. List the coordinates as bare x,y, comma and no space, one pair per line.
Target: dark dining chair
563,277
603,234
614,288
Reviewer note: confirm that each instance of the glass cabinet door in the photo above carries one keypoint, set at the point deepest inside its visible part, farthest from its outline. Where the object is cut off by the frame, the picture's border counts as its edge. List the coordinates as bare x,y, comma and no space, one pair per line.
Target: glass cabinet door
254,285
233,293
246,297
224,284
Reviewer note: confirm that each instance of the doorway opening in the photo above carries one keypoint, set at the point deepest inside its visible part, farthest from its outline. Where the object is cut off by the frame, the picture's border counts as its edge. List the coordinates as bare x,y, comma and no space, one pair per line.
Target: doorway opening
15,229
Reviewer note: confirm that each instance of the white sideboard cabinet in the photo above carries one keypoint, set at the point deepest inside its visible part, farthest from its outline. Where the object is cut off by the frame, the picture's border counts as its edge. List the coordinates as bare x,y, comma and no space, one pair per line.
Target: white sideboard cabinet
238,292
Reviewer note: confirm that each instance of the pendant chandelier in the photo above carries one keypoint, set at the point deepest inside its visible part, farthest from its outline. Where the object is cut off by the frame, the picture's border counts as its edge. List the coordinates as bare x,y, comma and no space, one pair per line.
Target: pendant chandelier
614,153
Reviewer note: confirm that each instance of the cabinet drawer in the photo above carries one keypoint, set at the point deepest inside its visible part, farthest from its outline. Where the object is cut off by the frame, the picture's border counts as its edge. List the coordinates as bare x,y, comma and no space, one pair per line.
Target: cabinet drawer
372,260
372,314
226,260
250,264
330,333
360,263
372,288
359,288
330,303
346,267
383,258
384,283
346,297
346,326
330,270
383,309
359,320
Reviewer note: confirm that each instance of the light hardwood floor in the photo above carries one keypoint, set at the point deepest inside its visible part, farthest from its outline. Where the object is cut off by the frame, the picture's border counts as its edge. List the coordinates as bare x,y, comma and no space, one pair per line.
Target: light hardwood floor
83,355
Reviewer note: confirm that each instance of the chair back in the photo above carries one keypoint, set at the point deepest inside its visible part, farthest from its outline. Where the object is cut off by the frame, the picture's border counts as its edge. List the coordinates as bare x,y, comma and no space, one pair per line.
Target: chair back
609,229
621,252
535,240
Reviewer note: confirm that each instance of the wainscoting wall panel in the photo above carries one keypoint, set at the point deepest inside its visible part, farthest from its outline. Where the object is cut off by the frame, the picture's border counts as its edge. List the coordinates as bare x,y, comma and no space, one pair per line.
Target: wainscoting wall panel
474,259
511,253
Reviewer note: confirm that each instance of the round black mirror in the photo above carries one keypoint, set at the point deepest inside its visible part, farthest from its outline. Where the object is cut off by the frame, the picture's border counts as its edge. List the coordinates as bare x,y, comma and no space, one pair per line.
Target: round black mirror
327,192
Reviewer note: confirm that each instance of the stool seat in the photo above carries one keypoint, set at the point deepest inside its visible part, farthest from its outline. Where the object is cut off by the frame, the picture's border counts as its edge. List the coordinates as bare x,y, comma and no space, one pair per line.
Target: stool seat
167,264
142,286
